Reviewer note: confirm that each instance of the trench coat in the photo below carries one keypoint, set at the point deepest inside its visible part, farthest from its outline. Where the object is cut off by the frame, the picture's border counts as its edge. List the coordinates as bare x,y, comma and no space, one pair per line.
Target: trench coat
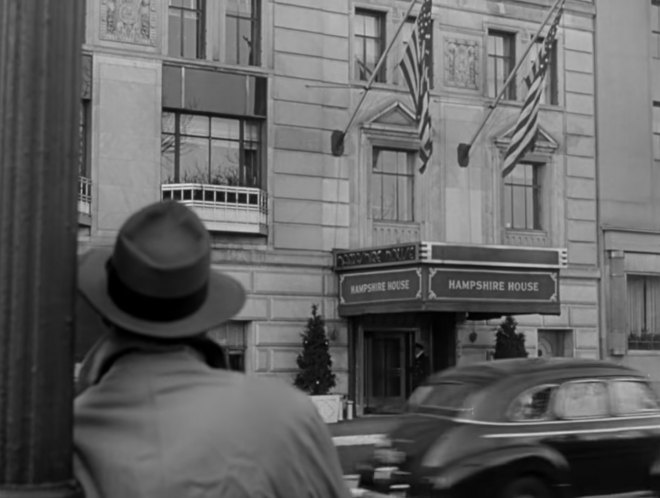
164,423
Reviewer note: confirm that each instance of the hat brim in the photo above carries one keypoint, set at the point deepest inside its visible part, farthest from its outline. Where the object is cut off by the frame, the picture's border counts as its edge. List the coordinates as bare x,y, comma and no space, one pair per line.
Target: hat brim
225,298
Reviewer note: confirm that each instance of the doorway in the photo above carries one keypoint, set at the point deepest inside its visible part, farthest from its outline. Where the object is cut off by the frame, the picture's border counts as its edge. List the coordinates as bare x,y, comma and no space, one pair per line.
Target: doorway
387,367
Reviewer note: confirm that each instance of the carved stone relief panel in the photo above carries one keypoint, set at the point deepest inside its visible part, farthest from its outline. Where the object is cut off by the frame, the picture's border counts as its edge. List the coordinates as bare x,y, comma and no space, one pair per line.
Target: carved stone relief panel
129,21
462,63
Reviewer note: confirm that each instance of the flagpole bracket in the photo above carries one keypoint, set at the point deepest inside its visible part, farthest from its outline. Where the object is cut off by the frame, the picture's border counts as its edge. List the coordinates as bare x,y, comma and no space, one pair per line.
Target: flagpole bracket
463,155
337,143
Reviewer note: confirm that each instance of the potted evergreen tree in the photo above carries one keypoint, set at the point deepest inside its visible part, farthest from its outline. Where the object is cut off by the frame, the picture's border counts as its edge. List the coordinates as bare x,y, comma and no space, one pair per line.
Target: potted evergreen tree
508,342
315,375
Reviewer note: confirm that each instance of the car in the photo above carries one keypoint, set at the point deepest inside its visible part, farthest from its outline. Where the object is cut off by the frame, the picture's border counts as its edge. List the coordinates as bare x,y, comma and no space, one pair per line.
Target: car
513,428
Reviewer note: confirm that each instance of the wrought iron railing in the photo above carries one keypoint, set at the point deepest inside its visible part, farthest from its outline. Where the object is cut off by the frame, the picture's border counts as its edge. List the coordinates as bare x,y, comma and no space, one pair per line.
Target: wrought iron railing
223,207
644,341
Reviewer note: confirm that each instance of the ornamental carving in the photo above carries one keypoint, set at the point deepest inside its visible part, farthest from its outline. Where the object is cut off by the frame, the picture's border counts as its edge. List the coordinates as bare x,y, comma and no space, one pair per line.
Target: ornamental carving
129,21
462,63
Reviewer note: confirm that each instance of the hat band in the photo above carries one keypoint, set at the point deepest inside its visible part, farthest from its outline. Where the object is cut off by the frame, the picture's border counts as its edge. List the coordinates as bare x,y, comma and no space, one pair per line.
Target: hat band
155,309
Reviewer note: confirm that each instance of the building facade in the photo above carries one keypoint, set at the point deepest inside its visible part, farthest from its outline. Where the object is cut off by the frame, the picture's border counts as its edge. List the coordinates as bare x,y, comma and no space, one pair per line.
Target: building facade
229,106
628,154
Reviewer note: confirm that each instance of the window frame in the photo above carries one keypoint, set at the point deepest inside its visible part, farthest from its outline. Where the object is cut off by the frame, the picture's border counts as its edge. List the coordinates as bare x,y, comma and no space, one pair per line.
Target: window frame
537,197
510,37
200,10
255,30
381,22
646,339
411,157
242,166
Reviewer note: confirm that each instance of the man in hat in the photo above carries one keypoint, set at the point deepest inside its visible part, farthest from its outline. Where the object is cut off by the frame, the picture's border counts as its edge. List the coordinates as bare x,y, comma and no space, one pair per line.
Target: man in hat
157,415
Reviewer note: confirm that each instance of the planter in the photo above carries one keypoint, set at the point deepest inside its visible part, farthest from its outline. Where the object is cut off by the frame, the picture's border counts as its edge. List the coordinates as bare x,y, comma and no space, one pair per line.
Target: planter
330,406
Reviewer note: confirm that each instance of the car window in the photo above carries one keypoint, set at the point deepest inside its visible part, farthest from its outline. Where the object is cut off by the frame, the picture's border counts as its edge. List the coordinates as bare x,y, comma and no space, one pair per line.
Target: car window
631,397
533,404
582,399
451,395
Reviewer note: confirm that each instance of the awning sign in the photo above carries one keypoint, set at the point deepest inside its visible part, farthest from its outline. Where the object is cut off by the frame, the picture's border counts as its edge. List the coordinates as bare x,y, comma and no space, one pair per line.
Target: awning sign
393,285
493,285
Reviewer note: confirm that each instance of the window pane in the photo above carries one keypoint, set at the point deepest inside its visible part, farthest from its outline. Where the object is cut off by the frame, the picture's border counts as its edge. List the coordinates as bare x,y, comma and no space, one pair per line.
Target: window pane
167,174
533,404
508,207
582,399
194,160
225,162
405,207
225,128
518,207
190,35
630,397
389,197
376,197
242,7
231,40
244,42
194,125
174,34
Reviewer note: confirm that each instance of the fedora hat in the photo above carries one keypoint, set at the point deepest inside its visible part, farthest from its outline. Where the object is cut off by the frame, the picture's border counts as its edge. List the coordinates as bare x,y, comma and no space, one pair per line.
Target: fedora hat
157,280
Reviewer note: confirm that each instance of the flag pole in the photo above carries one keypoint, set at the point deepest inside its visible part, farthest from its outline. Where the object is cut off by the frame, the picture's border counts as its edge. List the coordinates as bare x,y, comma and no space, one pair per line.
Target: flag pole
464,148
337,138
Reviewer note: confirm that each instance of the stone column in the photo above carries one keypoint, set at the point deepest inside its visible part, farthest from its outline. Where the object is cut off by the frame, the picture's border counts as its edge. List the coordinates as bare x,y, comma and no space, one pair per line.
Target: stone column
40,58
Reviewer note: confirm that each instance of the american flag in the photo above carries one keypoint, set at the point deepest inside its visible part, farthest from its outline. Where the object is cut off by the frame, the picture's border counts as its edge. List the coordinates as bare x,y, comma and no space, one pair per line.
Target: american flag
415,67
527,125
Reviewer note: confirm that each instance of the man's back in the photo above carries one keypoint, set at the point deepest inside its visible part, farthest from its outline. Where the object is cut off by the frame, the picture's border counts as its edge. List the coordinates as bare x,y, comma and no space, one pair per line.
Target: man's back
167,425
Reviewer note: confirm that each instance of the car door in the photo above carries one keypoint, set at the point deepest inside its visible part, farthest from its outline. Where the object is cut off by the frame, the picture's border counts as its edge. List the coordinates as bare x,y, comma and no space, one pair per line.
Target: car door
635,406
583,435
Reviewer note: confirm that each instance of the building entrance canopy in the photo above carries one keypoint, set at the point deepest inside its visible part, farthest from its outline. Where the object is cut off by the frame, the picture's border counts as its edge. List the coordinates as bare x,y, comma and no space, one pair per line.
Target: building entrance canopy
431,276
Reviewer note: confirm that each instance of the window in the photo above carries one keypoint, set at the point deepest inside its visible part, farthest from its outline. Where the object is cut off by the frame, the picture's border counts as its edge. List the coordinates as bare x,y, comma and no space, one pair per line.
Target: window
392,184
582,400
522,197
501,61
533,404
632,397
210,150
231,336
643,311
369,44
186,29
242,32
551,92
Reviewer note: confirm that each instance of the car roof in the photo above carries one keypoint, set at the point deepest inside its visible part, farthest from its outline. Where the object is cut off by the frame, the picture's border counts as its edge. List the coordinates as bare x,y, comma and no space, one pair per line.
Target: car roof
495,370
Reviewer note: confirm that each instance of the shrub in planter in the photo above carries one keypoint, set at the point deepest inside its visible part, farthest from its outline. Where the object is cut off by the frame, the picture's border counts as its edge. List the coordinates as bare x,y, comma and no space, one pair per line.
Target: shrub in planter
315,374
508,342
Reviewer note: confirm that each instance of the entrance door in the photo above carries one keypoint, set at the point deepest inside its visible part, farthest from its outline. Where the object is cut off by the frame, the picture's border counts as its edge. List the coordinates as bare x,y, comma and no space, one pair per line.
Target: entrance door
386,369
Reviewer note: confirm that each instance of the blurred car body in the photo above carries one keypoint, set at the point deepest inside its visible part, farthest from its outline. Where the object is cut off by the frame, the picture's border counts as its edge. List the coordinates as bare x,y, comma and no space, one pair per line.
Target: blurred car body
523,428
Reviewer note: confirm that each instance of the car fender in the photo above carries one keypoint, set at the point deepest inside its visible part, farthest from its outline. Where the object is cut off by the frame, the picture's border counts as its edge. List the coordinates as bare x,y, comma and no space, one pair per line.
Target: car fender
523,459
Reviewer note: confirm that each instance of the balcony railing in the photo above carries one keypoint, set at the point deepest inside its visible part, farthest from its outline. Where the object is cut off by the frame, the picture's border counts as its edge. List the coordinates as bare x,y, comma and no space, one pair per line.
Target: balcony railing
223,208
84,196
644,341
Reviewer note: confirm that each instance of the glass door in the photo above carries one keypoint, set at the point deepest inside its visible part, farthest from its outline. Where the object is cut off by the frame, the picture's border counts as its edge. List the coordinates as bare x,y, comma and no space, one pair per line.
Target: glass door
386,370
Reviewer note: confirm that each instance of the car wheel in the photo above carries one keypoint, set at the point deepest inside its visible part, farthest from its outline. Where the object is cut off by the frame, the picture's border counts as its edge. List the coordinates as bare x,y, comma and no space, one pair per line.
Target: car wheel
526,487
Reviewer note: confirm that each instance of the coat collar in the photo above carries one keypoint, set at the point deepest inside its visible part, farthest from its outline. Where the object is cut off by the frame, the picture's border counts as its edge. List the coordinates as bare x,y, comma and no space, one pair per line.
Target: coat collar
115,344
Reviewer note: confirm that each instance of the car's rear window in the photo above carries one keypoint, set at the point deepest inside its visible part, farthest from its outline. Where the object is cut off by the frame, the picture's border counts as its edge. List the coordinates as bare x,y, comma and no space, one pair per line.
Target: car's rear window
449,395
